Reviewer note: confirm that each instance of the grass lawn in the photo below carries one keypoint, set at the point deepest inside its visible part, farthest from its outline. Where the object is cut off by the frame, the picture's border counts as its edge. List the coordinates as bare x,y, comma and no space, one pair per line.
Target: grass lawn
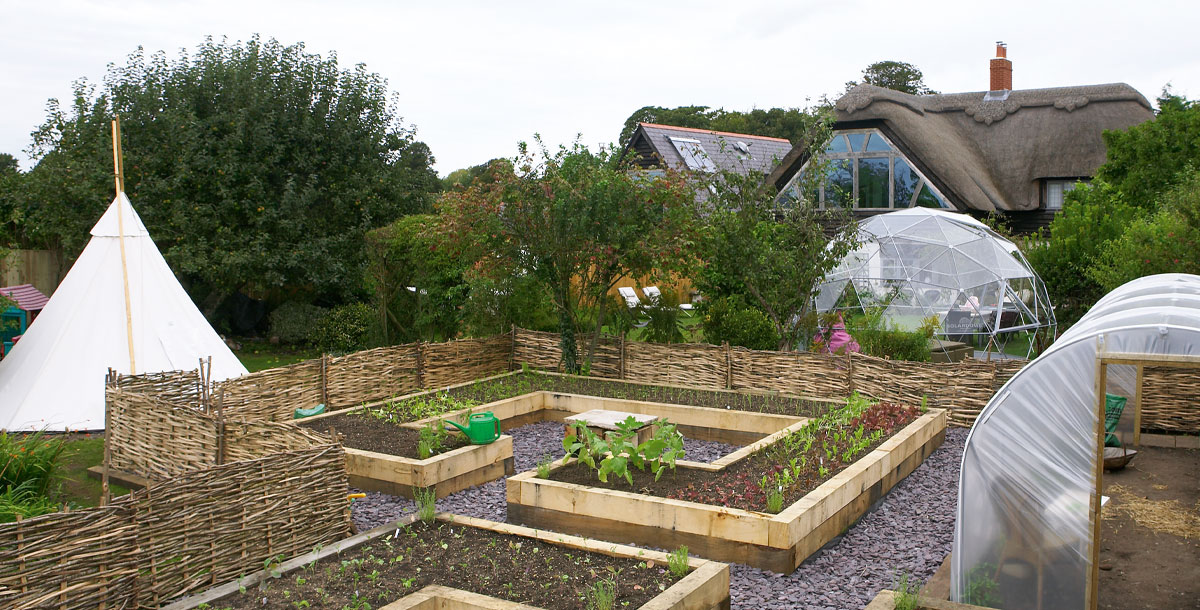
260,355
78,488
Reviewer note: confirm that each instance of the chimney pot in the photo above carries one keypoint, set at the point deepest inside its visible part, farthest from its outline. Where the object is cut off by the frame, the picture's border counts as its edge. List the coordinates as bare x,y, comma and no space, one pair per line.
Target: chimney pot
1001,70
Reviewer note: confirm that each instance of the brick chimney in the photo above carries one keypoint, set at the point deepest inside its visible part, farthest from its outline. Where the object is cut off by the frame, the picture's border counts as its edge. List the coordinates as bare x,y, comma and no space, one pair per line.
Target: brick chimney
1001,69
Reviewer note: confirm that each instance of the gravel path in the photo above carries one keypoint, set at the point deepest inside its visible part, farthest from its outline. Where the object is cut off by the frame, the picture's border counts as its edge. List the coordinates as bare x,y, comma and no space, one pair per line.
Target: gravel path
910,531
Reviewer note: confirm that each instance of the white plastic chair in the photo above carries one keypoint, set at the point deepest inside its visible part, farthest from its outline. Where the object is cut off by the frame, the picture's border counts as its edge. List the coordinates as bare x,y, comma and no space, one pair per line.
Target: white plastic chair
630,296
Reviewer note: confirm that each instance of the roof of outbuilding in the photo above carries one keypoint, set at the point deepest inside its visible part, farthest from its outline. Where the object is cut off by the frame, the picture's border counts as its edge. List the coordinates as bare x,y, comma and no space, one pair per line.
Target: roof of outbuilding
721,147
990,150
26,296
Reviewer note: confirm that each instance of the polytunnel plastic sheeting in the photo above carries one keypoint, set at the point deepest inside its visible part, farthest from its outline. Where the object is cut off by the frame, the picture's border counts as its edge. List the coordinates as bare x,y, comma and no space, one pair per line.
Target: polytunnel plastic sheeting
1023,526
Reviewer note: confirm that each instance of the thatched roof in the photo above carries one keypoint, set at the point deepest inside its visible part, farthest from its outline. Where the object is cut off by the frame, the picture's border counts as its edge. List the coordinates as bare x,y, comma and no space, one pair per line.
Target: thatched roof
991,150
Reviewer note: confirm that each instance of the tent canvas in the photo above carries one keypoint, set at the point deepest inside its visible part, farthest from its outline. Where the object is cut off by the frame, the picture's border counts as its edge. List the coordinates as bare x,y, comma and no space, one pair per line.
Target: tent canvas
54,377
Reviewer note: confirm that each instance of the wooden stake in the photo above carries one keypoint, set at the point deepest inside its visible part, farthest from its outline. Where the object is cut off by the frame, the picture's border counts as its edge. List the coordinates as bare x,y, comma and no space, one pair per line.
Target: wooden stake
119,177
1093,577
1137,407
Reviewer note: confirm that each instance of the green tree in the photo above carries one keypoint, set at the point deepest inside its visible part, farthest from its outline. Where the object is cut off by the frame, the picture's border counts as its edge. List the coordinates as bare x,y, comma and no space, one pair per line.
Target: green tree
462,178
896,75
788,123
1147,159
257,167
773,256
576,220
419,288
1166,242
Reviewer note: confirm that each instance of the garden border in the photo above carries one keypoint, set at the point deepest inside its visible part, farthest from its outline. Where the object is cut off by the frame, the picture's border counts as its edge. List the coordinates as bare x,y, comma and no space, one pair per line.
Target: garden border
777,542
706,587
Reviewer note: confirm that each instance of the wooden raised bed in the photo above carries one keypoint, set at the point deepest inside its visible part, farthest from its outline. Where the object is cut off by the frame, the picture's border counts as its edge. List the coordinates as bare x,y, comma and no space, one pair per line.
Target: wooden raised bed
778,542
706,587
886,600
477,464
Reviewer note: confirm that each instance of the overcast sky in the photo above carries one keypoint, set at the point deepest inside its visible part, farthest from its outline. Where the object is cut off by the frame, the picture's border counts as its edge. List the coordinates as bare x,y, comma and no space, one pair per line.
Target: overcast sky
477,77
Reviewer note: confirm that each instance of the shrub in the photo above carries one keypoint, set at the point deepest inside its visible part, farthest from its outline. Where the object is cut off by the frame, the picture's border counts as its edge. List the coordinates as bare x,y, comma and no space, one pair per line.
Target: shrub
344,329
664,318
24,502
30,461
730,319
894,344
294,321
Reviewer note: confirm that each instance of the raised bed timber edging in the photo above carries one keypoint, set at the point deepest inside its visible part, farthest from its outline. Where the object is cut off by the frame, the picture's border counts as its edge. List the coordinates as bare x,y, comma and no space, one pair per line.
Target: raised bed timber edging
477,464
706,587
773,542
886,600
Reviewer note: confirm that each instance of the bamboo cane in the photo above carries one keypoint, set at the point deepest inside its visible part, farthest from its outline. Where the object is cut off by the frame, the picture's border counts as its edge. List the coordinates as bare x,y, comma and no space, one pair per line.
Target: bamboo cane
119,177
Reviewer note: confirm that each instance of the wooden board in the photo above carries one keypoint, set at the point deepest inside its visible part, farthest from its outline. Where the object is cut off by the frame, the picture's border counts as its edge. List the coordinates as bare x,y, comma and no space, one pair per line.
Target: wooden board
608,420
447,473
774,542
706,587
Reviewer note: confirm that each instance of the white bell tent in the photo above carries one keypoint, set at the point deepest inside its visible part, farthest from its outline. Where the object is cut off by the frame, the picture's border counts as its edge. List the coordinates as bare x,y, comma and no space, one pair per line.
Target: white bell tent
1027,523
54,377
918,263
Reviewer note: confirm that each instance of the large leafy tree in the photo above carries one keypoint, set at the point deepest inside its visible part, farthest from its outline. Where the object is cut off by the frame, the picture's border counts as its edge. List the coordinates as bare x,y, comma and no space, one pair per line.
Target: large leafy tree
788,123
576,220
1147,159
257,167
896,75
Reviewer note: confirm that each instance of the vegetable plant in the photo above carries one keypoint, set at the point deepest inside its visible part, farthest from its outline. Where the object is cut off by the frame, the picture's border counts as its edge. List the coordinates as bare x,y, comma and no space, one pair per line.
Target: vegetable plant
614,453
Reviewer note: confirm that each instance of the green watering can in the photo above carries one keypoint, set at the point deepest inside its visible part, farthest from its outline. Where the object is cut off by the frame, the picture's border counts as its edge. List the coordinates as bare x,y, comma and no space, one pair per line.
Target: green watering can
482,428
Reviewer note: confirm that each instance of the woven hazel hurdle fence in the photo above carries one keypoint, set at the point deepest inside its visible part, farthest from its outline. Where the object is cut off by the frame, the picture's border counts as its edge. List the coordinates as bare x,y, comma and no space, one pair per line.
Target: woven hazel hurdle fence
195,531
159,439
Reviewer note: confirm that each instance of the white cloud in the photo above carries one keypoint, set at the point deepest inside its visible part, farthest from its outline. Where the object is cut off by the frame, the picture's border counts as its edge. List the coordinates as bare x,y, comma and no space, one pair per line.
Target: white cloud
476,77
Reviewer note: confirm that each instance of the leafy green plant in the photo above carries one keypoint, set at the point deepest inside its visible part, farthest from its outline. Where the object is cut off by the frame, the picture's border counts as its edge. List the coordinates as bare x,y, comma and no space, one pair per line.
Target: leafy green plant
31,458
426,504
982,589
774,500
730,320
618,450
344,329
294,321
601,595
906,593
677,562
431,439
543,467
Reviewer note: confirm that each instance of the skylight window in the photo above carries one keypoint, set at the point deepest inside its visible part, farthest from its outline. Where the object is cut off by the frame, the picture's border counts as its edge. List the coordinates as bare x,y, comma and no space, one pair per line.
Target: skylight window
693,154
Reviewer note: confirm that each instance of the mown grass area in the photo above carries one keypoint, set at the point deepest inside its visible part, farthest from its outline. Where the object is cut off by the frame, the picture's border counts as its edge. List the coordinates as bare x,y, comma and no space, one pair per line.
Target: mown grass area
79,454
260,355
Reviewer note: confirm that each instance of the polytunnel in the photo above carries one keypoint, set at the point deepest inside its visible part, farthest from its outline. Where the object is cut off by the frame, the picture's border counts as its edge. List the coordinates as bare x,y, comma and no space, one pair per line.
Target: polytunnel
1027,523
915,264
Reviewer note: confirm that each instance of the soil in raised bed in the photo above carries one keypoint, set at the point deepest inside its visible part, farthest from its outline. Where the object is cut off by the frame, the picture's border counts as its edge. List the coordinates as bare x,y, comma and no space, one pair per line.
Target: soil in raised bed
524,383
499,565
739,484
369,433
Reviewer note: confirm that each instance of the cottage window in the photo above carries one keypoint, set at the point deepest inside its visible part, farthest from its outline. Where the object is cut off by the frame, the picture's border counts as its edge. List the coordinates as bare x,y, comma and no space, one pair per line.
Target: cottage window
1055,190
862,167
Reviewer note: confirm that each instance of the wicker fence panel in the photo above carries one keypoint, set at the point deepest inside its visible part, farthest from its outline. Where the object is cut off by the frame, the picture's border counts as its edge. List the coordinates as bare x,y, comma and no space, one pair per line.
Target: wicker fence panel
1170,399
157,439
178,387
693,364
813,375
372,375
900,380
273,394
85,559
444,364
253,440
606,362
539,350
207,527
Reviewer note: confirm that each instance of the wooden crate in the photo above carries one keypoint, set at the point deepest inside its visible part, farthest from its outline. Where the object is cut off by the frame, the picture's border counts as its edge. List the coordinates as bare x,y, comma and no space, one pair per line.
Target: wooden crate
706,587
777,542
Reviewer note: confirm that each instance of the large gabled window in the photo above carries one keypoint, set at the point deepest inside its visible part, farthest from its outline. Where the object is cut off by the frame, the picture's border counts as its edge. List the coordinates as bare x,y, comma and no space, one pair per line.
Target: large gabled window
693,154
864,170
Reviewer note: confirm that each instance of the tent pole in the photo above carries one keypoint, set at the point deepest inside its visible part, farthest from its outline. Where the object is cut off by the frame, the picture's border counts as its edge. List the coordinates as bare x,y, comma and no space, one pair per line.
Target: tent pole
119,177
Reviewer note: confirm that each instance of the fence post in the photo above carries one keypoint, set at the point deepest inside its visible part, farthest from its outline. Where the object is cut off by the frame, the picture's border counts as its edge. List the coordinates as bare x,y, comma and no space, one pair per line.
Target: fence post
728,365
325,380
849,372
512,352
621,362
421,365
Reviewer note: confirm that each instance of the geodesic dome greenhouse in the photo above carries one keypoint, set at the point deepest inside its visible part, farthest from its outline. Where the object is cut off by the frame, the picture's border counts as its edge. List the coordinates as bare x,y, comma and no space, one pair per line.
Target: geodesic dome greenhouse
918,263
1025,534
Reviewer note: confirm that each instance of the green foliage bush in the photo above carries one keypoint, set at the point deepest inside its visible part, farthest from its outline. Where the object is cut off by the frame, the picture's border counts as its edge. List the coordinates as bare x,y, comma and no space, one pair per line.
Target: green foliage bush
30,468
875,339
730,319
344,329
407,254
294,321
